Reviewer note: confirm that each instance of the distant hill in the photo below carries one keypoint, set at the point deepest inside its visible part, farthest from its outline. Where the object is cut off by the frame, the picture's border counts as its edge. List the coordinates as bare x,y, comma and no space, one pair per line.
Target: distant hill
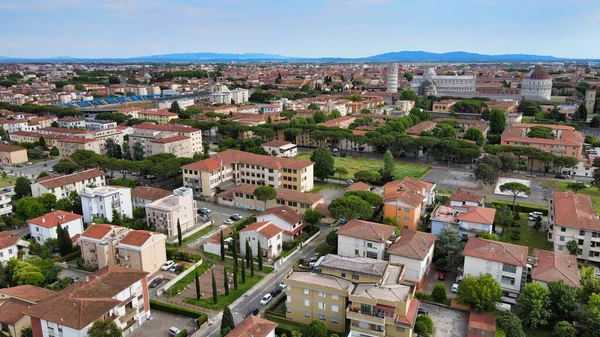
457,56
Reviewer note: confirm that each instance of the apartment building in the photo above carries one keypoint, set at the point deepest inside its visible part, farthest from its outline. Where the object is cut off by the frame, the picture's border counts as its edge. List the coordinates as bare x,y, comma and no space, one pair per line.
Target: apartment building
160,116
44,227
406,206
181,141
572,217
142,250
14,301
467,220
506,262
144,195
254,326
104,200
364,239
68,145
286,218
8,246
98,244
462,198
233,168
550,266
426,189
5,203
566,142
111,293
62,185
280,148
414,250
166,212
71,122
99,125
242,196
268,235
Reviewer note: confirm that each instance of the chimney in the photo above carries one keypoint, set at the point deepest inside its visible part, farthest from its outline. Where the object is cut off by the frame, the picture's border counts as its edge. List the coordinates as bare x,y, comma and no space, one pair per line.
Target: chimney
87,279
43,220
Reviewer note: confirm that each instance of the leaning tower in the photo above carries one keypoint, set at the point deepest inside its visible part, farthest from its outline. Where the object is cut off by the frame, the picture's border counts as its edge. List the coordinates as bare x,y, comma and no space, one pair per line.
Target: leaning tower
392,77
590,101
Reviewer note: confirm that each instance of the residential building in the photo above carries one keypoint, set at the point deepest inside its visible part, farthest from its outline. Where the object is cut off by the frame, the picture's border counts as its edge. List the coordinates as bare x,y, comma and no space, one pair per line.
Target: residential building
11,155
417,129
359,186
5,203
505,262
286,218
144,195
547,266
403,107
364,239
467,220
103,201
423,188
98,125
180,140
462,198
8,246
267,109
98,244
280,148
142,250
253,326
44,227
566,142
68,145
406,206
165,104
213,245
160,116
572,216
242,196
165,213
177,145
414,250
233,168
265,234
71,122
14,301
444,105
62,185
111,293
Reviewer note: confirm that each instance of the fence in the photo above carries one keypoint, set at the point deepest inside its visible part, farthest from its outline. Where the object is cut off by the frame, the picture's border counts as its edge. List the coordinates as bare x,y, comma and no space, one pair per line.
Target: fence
169,284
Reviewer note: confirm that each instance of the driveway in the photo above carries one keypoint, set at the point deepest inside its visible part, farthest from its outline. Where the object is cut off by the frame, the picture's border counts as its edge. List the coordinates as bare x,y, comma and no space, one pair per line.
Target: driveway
72,272
433,280
160,324
332,193
447,322
220,213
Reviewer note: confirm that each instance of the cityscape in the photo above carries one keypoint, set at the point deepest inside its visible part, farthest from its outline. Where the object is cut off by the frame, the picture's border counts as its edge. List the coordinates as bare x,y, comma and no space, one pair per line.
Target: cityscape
208,171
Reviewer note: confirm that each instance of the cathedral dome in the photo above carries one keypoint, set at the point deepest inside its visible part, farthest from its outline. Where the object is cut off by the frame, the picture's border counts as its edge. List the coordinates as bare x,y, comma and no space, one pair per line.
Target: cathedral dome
539,73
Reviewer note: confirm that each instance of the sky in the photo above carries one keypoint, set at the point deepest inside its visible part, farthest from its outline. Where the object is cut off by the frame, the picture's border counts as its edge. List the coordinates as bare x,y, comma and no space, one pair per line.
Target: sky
299,28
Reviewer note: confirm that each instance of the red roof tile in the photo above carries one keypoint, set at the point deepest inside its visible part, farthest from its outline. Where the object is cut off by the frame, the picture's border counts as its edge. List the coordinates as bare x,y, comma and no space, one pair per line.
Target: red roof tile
58,181
367,230
236,156
137,237
99,231
496,251
149,193
553,266
285,213
253,326
412,244
52,219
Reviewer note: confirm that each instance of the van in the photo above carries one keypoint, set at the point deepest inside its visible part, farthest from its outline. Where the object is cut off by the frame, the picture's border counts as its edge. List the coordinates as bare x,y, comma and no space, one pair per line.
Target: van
173,331
503,307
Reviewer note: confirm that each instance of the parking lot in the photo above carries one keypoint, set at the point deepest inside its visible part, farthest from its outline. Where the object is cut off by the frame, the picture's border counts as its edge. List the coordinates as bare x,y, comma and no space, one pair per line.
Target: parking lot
220,213
160,324
447,322
450,279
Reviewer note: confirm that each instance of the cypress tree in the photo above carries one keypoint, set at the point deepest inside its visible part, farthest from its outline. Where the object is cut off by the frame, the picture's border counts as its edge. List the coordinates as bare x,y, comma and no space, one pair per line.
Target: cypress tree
234,249
243,271
197,285
248,254
226,281
227,322
65,246
214,287
259,257
222,240
251,264
235,274
179,239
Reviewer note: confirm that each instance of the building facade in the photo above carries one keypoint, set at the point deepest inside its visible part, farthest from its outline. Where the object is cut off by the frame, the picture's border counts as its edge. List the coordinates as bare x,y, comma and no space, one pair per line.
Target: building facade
62,185
44,227
165,213
430,84
364,239
537,85
103,201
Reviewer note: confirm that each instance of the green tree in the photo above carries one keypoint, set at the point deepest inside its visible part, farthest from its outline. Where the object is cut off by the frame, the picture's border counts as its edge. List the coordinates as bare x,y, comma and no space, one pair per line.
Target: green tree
65,166
54,151
421,329
373,199
590,284
563,301
486,173
331,239
533,305
25,273
487,236
510,323
595,122
116,218
259,256
179,238
243,270
227,322
475,135
591,316
65,245
106,328
248,254
449,246
64,204
312,217
497,119
138,151
576,187
323,160
319,117
573,247
27,332
313,106
481,292
427,321
445,131
214,287
439,293
509,162
175,107
317,328
265,193
48,200
41,175
222,242
22,188
350,207
581,113
515,189
197,281
387,173
341,172
28,208
113,150
564,329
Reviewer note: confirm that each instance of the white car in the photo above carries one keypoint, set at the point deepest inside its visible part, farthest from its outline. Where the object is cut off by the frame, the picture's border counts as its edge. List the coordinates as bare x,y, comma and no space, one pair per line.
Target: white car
228,221
167,265
205,210
454,288
282,286
266,299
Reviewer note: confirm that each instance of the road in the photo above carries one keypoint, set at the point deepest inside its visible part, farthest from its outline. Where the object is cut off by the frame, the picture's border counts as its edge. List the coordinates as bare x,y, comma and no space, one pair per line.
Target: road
32,171
252,297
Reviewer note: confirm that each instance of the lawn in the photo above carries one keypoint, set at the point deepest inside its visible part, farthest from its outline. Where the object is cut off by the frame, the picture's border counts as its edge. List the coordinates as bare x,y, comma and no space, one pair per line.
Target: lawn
592,191
229,260
529,237
354,165
189,278
8,181
320,186
225,300
193,237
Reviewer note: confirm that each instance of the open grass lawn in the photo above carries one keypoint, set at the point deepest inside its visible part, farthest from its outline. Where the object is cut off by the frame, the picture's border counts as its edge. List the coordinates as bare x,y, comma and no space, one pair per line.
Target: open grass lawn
198,235
222,299
529,237
592,191
8,181
189,278
319,186
353,165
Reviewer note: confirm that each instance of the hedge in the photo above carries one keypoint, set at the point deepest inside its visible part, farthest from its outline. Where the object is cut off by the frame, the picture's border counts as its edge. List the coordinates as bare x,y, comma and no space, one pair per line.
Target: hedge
274,304
69,257
182,333
177,310
245,222
528,208
174,254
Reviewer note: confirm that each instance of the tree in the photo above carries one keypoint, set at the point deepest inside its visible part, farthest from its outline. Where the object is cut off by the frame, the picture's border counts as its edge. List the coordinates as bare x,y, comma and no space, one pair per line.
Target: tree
138,151
54,151
225,281
350,207
591,316
214,287
317,328
113,150
439,293
391,221
227,322
509,162
331,239
175,107
427,321
248,254
486,173
48,200
179,239
243,270
222,242
387,173
313,106
581,113
116,218
265,193
487,236
576,187
65,166
341,172
65,245
41,175
259,257
312,217
22,187
510,323
563,301
497,119
573,247
25,273
421,329
515,189
445,131
475,135
323,160
449,246
564,329
595,122
197,281
533,305
590,284
319,117
481,292
27,332
104,329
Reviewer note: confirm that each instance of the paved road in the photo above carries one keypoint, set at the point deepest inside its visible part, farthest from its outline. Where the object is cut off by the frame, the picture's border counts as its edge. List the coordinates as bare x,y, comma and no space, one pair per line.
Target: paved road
447,322
32,171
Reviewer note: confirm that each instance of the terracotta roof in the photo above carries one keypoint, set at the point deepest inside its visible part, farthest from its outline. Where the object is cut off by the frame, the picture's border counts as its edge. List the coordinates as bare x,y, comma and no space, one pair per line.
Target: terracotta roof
276,143
413,245
253,326
411,314
11,310
52,219
158,113
172,139
65,131
539,73
28,293
569,206
418,128
496,251
517,133
149,193
58,181
99,231
9,148
236,156
359,186
465,196
285,213
553,266
166,127
367,230
411,198
323,209
7,241
282,194
217,238
264,228
477,214
137,238
82,303
481,325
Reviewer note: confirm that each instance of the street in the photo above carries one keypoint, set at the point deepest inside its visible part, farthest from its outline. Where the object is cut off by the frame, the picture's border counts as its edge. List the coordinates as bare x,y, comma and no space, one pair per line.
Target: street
32,171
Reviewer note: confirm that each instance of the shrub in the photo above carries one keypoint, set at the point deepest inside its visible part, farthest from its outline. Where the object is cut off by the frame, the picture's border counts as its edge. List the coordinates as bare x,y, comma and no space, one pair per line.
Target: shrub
422,296
71,256
428,322
439,293
343,154
515,237
522,208
517,216
177,310
516,231
183,333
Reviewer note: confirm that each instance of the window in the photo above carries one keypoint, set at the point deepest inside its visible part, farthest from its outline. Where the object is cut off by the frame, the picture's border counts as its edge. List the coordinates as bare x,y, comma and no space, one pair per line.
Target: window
508,280
369,244
306,291
288,298
582,233
407,210
372,255
344,276
405,218
334,320
321,317
400,329
321,294
37,229
307,303
321,305
356,252
561,238
355,277
580,242
288,310
365,307
336,297
563,229
509,268
335,308
306,314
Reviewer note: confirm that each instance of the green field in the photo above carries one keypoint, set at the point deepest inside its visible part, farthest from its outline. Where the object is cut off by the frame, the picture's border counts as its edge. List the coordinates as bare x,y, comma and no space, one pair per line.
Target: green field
529,237
592,191
8,181
354,165
189,278
225,300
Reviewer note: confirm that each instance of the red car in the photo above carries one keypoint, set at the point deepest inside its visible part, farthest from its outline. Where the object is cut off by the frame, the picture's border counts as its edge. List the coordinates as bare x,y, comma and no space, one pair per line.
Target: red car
442,276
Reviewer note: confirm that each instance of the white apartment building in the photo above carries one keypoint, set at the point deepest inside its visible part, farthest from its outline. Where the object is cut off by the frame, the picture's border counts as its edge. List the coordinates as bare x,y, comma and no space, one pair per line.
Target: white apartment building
98,125
364,239
180,140
71,123
286,218
62,185
269,236
8,246
164,213
506,262
102,201
240,95
44,227
184,103
280,148
414,250
5,203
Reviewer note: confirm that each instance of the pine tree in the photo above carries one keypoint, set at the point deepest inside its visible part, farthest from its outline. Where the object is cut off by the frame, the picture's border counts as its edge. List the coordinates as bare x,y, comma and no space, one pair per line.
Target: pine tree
214,287
226,281
65,245
179,239
222,240
116,218
259,257
197,284
227,322
243,271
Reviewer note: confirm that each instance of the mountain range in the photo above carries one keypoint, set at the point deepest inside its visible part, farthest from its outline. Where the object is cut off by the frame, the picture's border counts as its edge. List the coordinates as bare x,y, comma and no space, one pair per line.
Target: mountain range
401,56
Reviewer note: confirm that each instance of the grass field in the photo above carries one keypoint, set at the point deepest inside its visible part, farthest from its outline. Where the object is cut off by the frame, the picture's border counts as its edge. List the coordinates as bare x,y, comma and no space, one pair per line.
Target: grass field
189,278
193,237
529,237
8,181
592,191
319,186
354,165
225,300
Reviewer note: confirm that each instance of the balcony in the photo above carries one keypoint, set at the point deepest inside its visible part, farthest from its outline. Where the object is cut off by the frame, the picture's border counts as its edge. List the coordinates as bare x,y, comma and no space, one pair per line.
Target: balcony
129,314
363,316
369,332
123,257
115,204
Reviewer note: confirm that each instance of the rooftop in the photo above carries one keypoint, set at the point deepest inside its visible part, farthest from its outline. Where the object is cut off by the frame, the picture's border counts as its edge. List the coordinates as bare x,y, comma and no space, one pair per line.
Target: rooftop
285,213
569,206
27,293
52,219
235,156
413,245
253,326
99,231
321,280
59,181
139,237
496,251
149,193
553,266
355,264
367,230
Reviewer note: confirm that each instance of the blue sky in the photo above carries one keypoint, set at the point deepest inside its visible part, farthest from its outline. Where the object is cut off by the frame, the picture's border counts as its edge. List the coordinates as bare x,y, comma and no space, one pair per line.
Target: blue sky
302,28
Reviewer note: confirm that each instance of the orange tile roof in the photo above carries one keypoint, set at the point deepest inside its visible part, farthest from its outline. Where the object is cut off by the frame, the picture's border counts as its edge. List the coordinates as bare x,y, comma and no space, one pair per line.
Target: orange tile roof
464,196
264,228
166,127
569,206
171,139
11,310
253,326
411,314
276,143
99,231
285,213
477,214
52,219
282,194
359,186
137,237
149,193
55,181
323,209
410,198
28,293
553,266
413,244
496,251
236,156
367,230
9,148
481,324
8,241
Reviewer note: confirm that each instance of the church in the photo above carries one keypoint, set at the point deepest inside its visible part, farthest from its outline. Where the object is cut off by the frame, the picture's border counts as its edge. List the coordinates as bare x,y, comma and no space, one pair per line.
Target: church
430,84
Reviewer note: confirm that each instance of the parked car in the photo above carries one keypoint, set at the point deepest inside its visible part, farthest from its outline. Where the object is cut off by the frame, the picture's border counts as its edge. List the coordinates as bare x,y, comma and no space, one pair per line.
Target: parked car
167,265
155,282
6,189
454,288
28,163
19,165
74,278
149,176
173,268
228,221
343,221
276,292
536,214
350,181
173,331
282,286
266,299
423,311
459,278
51,169
205,210
563,176
235,217
254,311
45,165
534,218
442,276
